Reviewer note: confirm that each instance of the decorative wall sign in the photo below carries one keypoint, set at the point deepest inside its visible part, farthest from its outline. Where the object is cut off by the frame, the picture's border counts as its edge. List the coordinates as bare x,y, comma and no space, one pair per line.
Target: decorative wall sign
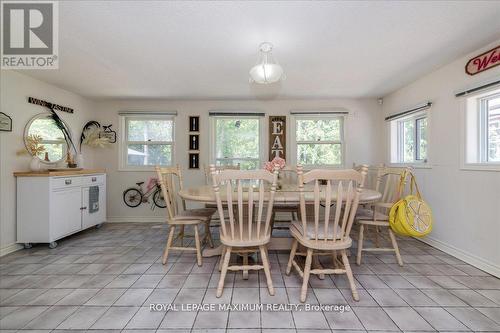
277,137
484,61
5,122
194,124
194,142
194,161
108,133
52,106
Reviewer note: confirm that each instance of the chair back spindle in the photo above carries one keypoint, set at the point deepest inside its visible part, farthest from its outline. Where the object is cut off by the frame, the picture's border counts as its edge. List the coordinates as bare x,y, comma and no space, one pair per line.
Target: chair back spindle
249,196
336,198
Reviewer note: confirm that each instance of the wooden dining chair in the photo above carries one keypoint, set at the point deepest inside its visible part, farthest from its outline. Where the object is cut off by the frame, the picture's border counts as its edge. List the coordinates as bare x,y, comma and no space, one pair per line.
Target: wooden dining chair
286,176
171,182
248,226
377,215
327,231
218,168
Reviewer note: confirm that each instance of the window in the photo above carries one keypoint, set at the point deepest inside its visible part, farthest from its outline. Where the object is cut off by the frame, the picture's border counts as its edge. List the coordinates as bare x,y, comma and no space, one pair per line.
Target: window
147,141
409,139
319,140
490,129
482,129
236,140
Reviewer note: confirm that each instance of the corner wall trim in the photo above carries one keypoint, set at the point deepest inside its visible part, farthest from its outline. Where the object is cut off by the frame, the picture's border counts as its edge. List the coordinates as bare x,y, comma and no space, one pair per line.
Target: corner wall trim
10,248
469,258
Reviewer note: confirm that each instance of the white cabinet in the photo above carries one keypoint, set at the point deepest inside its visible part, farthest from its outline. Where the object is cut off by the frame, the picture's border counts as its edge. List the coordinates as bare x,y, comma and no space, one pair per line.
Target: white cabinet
51,206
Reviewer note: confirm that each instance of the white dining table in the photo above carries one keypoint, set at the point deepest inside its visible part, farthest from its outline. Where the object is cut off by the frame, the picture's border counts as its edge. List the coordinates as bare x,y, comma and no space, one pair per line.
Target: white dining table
287,194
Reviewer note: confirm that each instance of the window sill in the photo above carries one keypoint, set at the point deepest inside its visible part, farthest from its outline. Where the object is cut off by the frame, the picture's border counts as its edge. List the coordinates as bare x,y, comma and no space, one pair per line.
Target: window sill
411,165
480,167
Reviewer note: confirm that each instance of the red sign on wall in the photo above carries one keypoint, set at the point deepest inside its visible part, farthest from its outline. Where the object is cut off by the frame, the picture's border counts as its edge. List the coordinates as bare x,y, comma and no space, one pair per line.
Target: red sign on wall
483,61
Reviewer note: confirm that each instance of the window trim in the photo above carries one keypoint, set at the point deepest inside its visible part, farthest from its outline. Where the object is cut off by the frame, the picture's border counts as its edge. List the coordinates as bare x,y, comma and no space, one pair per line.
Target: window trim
294,143
396,139
123,142
212,131
472,128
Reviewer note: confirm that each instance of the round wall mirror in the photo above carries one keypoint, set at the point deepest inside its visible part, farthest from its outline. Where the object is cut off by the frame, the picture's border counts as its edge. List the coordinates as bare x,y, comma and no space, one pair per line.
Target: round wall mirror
52,137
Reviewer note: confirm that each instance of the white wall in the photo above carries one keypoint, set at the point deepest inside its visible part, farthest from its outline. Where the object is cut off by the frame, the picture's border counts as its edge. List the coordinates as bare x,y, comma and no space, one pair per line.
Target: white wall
465,203
14,93
361,136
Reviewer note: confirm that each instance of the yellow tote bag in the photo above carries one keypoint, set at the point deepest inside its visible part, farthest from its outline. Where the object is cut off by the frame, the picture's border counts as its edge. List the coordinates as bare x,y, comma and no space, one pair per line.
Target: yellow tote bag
410,216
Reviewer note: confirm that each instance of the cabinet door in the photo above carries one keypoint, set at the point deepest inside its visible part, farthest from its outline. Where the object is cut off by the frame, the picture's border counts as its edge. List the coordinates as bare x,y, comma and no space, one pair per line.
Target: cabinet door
65,213
91,219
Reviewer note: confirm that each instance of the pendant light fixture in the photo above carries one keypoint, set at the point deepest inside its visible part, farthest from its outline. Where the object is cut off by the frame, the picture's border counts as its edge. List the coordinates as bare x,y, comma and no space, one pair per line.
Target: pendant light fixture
267,70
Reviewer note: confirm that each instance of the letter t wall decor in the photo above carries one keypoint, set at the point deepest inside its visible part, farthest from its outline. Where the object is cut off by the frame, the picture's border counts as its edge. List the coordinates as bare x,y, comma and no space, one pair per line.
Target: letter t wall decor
277,137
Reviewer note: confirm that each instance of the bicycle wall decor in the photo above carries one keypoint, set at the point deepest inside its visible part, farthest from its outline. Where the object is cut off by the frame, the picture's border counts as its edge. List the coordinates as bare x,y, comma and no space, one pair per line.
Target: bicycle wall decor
136,195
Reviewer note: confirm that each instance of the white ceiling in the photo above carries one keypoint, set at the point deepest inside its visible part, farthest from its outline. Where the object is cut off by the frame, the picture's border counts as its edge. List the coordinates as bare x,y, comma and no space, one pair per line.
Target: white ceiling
205,49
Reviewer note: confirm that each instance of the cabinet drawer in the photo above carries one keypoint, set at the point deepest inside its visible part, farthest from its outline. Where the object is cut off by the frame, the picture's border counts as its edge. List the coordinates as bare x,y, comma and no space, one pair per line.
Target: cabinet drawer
64,182
93,180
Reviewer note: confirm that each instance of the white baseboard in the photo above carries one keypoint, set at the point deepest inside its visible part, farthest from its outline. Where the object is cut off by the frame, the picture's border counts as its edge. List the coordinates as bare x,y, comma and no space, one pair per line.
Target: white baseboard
136,219
469,258
10,248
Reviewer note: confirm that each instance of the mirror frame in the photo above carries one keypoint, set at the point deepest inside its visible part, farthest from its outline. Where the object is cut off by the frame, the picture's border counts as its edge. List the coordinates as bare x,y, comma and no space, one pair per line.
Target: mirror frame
27,128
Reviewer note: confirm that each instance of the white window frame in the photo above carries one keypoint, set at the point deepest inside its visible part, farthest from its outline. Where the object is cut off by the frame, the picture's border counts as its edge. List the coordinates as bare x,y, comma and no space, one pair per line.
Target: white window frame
474,120
294,143
396,140
213,150
123,142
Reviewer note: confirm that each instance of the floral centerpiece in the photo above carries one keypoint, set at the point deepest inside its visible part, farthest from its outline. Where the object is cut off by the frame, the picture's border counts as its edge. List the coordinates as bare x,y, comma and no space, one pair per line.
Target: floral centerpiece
276,163
33,146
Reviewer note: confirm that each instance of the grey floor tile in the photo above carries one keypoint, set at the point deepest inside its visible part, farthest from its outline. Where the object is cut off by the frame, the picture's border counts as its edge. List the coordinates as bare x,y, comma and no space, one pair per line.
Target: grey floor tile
147,281
146,319
473,319
277,319
494,295
78,297
472,298
244,319
99,281
310,320
190,296
172,281
371,282
105,297
440,319
137,269
365,299
24,297
375,319
386,297
175,319
51,297
444,297
123,281
217,319
116,318
83,318
133,297
5,310
163,296
246,296
343,320
51,318
20,317
407,319
197,281
329,296
492,313
415,297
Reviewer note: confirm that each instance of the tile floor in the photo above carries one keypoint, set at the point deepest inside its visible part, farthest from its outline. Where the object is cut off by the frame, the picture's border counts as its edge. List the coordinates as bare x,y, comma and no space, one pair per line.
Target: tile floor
105,279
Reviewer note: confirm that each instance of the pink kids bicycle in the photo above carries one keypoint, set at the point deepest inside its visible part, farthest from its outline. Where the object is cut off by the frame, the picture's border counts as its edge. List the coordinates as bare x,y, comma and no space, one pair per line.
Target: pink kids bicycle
134,196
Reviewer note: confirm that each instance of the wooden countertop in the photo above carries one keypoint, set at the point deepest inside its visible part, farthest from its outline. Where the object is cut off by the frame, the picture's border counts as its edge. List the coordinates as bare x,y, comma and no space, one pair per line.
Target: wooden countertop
47,173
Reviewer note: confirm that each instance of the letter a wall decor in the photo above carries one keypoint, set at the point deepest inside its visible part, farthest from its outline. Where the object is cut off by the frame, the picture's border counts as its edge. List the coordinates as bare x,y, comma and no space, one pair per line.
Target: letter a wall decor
277,137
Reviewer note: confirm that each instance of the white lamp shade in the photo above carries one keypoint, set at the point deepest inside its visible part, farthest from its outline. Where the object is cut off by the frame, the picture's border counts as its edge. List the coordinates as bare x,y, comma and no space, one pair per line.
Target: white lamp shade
266,73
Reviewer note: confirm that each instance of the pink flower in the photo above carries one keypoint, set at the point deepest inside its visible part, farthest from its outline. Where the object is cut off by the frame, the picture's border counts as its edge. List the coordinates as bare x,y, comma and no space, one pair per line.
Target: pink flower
277,162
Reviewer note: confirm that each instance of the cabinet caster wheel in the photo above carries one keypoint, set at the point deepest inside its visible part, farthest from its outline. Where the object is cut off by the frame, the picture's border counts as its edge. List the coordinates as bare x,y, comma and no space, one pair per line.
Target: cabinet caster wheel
98,226
53,245
28,245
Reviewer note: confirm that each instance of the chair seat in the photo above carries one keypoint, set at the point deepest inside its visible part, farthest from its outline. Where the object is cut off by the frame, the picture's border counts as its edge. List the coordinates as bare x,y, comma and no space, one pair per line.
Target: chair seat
245,240
319,244
311,233
203,214
364,214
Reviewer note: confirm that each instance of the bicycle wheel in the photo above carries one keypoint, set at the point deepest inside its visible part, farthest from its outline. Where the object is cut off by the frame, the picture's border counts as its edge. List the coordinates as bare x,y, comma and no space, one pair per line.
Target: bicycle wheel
132,197
159,200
